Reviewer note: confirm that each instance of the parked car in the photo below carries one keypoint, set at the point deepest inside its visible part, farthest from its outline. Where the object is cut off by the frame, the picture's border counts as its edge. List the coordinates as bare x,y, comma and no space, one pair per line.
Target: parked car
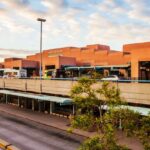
111,78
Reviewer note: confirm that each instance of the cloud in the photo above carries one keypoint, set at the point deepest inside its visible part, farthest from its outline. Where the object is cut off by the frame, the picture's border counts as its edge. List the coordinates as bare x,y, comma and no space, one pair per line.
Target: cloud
14,14
2,11
103,30
140,10
77,21
133,9
112,7
52,4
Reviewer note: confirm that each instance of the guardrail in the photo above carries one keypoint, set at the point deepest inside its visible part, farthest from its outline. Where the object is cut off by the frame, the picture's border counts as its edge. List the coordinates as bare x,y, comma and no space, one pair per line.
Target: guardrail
7,146
77,78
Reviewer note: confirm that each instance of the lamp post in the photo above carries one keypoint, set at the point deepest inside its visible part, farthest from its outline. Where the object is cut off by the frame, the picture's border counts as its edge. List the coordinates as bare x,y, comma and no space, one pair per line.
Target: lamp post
41,21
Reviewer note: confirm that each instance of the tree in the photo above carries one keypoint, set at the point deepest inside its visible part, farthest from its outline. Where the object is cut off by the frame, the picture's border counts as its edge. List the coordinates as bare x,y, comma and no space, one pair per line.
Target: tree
87,94
84,96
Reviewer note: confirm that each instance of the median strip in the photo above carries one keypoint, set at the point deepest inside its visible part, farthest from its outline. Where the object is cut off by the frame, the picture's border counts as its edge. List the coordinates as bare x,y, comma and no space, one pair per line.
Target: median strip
7,146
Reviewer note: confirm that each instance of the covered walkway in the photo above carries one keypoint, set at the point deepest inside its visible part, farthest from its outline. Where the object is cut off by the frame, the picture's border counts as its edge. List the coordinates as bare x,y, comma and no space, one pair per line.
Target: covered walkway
40,97
40,102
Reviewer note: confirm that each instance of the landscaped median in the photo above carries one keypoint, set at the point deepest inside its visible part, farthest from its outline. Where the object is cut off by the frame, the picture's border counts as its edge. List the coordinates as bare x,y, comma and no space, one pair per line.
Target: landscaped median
7,146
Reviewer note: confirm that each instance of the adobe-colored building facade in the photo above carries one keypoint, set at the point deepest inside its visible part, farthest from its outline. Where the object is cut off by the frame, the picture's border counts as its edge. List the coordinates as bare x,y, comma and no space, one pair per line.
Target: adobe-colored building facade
140,59
91,55
18,63
134,59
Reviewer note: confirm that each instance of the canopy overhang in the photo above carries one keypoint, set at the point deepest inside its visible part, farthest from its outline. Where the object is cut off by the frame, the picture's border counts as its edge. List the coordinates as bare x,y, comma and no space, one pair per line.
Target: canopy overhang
144,111
98,67
40,97
114,66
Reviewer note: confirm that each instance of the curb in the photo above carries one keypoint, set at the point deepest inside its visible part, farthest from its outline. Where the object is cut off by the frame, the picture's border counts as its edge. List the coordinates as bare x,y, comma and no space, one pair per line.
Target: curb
7,146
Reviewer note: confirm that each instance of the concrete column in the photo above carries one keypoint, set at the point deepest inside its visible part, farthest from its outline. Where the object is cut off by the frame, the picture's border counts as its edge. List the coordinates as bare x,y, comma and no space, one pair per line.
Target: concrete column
3,100
51,107
33,105
120,124
6,99
73,109
79,73
18,102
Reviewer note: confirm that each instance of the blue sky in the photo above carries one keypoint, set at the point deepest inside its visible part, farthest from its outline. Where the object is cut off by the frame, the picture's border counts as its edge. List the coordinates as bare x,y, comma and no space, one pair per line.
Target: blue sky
71,23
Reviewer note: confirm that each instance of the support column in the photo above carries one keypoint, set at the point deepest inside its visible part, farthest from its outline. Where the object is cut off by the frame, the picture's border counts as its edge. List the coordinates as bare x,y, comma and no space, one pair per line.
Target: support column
73,109
79,73
51,107
6,99
18,102
33,104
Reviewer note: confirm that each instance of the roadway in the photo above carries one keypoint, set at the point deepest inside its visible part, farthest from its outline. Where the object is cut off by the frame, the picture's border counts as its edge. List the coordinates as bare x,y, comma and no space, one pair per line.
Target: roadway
28,135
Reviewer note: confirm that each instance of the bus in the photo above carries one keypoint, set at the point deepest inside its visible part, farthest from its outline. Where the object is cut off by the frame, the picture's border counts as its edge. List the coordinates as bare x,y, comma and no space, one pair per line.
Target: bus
13,73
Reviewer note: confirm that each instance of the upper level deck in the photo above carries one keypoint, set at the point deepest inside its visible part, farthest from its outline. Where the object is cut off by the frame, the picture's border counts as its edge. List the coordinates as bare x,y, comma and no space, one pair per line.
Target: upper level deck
138,93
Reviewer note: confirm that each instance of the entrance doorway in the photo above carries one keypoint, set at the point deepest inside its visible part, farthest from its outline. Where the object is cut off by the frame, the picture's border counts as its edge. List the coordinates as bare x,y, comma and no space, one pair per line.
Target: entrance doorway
144,70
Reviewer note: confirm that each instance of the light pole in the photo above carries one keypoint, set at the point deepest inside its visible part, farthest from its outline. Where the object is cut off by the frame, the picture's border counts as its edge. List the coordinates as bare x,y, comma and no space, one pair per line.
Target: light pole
41,20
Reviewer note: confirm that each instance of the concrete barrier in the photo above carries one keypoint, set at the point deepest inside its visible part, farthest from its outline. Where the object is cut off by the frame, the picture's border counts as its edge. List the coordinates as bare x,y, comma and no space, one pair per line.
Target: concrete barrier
33,85
131,92
15,84
56,87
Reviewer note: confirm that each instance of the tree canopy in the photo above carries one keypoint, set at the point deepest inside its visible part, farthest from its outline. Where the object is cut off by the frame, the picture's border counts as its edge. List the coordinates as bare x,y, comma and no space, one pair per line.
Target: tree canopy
98,109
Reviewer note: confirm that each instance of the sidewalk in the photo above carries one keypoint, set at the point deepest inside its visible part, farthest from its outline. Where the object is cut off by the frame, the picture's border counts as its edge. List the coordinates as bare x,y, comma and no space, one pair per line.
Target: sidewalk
62,123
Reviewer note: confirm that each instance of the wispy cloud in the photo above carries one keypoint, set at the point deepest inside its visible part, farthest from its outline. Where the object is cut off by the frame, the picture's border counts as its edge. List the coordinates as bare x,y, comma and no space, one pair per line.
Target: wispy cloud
140,10
6,53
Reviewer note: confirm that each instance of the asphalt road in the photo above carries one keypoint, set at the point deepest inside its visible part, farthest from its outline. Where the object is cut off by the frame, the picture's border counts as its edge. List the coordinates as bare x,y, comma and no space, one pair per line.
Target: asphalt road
28,135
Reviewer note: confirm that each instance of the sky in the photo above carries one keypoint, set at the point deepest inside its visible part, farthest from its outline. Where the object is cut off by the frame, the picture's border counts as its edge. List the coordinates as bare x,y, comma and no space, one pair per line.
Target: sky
71,23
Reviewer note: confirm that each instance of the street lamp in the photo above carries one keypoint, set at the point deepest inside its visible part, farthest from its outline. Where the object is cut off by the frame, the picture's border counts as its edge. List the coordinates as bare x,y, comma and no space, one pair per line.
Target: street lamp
41,20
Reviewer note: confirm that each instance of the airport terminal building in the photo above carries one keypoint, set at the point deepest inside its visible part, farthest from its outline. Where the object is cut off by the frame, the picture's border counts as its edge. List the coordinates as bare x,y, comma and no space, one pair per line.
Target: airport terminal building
132,62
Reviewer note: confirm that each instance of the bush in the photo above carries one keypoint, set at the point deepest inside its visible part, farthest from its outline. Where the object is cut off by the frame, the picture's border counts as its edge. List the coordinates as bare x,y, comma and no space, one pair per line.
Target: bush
99,143
92,144
83,121
130,127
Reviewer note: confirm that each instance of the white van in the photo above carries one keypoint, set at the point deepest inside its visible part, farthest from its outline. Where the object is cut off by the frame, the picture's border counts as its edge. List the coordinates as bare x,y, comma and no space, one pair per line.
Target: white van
14,73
